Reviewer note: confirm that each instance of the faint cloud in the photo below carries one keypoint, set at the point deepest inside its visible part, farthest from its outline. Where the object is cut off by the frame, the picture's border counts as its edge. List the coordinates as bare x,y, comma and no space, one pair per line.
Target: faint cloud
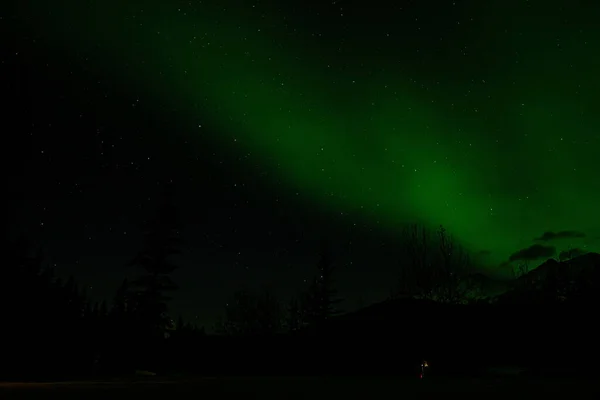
533,253
549,235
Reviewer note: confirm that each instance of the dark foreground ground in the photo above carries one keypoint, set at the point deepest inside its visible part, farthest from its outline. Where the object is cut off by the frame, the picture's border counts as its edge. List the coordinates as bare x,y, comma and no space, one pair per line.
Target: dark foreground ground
308,388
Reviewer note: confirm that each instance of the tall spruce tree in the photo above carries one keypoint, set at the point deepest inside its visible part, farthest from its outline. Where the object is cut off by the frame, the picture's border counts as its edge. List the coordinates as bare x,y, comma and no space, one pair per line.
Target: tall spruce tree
151,288
322,300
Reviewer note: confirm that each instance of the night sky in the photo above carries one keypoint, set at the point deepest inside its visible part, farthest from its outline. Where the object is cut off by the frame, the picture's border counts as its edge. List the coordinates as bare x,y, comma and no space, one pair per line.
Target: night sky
284,123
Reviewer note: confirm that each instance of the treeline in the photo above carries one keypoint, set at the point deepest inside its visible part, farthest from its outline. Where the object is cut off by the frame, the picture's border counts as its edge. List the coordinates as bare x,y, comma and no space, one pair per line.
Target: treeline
56,332
431,266
52,330
437,309
259,313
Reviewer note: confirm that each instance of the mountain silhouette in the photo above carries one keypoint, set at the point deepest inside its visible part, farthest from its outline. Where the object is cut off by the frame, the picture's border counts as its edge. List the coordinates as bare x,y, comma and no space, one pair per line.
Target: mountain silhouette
574,280
580,268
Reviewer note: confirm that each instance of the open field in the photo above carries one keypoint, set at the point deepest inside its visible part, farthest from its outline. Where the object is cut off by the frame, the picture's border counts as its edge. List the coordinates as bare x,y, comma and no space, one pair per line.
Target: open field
305,388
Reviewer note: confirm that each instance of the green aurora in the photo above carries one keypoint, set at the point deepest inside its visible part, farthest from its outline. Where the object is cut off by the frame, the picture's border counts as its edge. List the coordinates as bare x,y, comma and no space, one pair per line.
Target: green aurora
492,133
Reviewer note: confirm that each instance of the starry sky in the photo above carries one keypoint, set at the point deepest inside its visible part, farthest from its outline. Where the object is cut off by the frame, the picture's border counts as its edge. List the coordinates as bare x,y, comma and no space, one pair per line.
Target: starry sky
281,124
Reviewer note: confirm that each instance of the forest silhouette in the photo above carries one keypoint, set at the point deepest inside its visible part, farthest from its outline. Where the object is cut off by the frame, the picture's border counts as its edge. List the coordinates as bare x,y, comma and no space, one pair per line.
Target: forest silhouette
437,310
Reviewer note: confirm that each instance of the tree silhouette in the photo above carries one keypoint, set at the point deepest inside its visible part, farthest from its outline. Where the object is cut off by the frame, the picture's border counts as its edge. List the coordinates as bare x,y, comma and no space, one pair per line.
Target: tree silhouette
180,326
268,312
434,268
240,315
452,283
103,310
320,302
121,329
54,318
294,315
413,281
160,241
250,314
123,302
